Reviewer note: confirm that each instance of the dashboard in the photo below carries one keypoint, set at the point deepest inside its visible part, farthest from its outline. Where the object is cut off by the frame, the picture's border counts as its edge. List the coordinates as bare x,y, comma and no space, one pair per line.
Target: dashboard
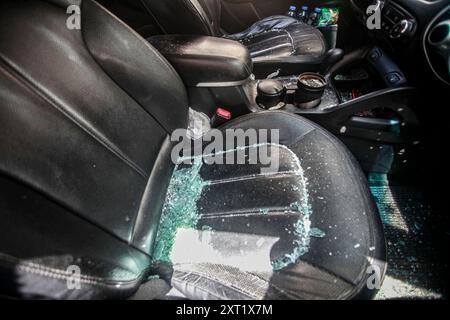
408,25
397,23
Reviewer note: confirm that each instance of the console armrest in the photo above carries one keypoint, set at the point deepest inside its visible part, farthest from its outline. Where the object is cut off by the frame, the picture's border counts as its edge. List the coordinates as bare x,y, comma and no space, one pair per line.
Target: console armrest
205,61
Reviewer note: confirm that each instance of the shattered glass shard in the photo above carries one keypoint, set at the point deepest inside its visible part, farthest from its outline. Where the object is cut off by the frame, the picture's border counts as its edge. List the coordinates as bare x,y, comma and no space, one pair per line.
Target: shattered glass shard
301,244
316,233
206,228
300,206
180,212
180,208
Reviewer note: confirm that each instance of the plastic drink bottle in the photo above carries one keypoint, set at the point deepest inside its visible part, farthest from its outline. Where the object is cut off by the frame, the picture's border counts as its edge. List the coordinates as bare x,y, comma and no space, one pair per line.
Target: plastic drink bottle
313,17
292,11
303,14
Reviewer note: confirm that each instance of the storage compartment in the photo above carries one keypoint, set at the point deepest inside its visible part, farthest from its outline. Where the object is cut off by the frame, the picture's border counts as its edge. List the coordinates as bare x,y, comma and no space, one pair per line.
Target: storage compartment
358,81
215,71
355,81
205,61
370,75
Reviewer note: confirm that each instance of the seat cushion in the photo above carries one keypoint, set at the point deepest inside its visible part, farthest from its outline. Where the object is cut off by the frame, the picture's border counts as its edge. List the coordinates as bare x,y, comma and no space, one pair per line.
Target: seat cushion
308,231
281,36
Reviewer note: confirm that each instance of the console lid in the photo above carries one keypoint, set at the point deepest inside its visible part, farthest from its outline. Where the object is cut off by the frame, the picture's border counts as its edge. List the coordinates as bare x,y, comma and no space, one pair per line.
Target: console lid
206,61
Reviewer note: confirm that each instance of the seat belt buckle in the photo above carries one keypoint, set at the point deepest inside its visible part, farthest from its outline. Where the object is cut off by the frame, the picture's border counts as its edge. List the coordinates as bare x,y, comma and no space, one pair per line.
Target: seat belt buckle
220,117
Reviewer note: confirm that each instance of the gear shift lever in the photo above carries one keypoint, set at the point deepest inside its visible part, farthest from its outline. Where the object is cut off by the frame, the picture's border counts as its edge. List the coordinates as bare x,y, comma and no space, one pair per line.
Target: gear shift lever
332,57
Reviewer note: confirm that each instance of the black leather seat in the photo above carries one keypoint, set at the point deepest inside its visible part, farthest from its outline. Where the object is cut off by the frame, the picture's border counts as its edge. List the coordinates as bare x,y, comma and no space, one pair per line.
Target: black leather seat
85,120
269,38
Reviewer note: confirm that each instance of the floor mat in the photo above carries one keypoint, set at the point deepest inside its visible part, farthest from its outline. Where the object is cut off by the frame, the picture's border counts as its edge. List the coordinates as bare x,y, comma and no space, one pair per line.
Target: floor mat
416,255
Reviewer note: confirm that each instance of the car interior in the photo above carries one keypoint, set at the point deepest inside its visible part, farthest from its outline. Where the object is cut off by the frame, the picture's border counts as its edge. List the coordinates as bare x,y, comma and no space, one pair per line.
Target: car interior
93,206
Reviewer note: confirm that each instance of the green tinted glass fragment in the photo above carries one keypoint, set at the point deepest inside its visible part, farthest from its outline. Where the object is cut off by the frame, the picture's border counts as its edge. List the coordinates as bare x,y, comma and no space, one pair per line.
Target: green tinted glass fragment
180,208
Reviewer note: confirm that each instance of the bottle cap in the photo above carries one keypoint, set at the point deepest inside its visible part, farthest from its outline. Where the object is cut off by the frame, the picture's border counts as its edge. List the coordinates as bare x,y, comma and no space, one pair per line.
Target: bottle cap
305,8
318,10
292,8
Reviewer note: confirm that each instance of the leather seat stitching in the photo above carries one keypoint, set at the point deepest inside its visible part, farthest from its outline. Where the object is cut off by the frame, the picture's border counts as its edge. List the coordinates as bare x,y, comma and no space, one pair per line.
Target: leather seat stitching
285,174
202,288
35,268
279,211
200,274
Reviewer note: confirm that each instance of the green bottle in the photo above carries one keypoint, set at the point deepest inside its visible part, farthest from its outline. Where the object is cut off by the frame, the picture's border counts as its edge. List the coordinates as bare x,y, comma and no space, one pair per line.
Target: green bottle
325,17
334,16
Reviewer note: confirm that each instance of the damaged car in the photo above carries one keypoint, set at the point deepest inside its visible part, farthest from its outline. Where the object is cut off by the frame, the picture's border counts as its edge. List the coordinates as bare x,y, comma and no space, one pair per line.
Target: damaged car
223,149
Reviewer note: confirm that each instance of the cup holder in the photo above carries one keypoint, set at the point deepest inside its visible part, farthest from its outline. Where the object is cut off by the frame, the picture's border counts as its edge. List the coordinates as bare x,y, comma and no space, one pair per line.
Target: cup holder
271,94
306,94
310,89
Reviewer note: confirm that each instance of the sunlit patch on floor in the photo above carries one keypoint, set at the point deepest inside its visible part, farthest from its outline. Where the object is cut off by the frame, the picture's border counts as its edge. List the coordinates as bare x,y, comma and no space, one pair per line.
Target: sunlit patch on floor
395,288
415,267
388,208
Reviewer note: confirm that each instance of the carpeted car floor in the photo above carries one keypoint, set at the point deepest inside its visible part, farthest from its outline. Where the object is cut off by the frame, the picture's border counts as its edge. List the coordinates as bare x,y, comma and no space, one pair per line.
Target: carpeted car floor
417,242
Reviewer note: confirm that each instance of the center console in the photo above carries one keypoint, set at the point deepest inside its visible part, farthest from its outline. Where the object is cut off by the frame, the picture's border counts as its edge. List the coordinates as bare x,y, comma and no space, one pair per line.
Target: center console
363,95
366,102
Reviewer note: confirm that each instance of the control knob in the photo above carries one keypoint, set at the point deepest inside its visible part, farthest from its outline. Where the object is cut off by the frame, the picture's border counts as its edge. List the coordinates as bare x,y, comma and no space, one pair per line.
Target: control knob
401,29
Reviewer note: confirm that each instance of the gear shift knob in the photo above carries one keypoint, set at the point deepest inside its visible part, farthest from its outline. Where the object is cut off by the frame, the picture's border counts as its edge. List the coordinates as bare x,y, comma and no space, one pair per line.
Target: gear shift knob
332,57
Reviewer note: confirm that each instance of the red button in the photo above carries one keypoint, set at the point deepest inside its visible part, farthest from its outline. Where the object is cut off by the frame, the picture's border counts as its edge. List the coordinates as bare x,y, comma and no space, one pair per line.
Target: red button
223,113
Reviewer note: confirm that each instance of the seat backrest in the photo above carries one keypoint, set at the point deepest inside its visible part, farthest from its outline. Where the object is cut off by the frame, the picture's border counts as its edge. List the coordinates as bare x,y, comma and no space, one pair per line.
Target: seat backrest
85,116
196,17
